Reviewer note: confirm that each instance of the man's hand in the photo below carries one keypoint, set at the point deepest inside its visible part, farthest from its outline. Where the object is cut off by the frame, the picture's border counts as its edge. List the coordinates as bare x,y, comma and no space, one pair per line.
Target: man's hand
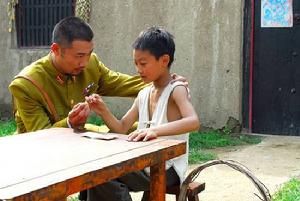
179,78
78,115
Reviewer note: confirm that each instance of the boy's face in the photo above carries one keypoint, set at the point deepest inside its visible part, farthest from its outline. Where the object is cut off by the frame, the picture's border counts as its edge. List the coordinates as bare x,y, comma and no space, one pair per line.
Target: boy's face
150,68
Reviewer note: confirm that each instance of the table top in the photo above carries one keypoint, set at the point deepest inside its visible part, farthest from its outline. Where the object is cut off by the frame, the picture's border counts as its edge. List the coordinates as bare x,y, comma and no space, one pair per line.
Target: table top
60,161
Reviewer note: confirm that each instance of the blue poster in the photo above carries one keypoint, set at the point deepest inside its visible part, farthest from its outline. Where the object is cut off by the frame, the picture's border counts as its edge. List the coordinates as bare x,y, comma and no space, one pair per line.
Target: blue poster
276,13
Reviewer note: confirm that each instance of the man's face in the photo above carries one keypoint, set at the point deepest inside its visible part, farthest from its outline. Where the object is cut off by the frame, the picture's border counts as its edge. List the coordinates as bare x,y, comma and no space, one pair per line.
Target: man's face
72,60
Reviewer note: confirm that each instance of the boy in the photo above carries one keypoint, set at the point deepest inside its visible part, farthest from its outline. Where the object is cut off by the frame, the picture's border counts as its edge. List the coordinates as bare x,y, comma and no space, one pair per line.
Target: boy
162,109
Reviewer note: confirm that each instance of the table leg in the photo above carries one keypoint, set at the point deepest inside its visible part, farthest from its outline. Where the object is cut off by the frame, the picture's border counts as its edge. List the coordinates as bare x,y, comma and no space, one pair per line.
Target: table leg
158,182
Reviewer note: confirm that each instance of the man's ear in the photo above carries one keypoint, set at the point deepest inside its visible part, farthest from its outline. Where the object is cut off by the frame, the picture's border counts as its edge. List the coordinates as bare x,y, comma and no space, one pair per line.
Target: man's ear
55,48
165,59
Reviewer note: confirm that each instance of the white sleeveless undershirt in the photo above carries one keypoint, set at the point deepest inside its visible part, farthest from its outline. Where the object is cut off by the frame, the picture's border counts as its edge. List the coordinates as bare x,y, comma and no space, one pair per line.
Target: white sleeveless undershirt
159,117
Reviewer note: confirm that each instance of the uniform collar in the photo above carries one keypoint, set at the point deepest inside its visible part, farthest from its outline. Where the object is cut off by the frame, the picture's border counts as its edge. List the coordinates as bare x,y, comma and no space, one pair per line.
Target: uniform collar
58,76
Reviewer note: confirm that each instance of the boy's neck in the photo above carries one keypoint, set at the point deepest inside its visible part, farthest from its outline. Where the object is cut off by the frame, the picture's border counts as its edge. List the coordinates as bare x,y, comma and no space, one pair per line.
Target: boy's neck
162,81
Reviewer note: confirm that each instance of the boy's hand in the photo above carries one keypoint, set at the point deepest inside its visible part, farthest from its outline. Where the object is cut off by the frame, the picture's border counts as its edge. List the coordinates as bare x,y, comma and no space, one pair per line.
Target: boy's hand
142,135
96,103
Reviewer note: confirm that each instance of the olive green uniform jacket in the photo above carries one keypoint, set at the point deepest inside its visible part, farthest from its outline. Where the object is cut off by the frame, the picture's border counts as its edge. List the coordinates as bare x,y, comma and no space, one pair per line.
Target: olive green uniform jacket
32,111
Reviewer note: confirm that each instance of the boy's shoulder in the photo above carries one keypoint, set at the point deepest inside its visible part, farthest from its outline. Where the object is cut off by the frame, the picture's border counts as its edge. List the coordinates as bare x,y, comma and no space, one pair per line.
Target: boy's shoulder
178,89
169,89
178,84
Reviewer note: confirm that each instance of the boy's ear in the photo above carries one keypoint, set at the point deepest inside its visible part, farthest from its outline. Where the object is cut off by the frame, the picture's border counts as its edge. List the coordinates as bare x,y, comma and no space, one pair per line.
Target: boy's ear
165,59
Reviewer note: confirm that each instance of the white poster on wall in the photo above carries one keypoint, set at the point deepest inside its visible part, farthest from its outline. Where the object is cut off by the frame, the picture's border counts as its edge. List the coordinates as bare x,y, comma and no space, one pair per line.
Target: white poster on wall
276,13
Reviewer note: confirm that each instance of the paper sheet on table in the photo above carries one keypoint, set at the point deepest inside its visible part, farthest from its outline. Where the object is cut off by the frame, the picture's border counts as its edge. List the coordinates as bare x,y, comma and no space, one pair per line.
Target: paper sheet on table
99,136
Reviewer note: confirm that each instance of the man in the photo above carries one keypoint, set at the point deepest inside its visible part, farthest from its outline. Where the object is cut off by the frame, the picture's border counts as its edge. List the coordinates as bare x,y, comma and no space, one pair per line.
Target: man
49,92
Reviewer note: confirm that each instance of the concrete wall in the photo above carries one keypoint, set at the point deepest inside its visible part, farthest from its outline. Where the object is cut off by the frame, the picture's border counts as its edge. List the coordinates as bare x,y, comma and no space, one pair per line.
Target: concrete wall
208,37
12,60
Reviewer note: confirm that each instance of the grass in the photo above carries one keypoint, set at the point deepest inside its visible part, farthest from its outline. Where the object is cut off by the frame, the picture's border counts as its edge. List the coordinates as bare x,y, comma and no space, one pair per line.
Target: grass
215,138
199,155
201,142
73,198
289,192
7,127
94,119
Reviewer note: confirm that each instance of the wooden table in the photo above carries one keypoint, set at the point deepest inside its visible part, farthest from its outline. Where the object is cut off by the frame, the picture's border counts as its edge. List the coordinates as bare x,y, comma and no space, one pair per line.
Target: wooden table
54,163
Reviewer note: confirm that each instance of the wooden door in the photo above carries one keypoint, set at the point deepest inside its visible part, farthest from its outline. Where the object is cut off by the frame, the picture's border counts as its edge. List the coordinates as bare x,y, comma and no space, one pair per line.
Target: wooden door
276,76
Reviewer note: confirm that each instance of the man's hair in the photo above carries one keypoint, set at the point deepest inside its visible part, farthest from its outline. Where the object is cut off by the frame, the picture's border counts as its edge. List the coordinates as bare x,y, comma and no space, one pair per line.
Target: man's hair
157,41
69,29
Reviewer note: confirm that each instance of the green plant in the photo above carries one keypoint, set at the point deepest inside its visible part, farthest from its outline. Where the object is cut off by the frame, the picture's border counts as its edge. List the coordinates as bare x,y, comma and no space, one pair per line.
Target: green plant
11,13
83,9
7,127
73,198
95,119
289,192
226,130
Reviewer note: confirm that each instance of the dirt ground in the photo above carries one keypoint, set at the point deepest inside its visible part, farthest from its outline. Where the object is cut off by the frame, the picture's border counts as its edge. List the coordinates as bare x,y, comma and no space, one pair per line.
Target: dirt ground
274,161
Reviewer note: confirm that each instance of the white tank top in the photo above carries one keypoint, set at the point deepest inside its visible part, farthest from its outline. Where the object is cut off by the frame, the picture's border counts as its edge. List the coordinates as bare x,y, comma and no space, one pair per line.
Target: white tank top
159,116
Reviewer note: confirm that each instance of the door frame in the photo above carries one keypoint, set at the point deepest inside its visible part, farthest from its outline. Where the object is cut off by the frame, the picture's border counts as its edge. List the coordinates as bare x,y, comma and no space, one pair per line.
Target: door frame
248,58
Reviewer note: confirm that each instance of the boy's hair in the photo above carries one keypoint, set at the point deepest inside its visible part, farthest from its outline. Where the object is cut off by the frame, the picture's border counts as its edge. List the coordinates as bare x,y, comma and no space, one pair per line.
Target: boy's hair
157,41
70,29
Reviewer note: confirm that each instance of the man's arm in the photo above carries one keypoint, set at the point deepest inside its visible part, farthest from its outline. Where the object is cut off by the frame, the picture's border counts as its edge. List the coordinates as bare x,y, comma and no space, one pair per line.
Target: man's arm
31,113
118,84
114,83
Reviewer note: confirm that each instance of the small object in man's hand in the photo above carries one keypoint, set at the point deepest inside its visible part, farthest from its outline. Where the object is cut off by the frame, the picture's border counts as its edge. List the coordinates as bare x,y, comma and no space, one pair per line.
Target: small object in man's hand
89,89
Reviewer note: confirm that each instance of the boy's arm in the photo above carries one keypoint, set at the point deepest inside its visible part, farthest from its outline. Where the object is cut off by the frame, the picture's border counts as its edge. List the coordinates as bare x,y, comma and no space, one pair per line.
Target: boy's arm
188,122
115,125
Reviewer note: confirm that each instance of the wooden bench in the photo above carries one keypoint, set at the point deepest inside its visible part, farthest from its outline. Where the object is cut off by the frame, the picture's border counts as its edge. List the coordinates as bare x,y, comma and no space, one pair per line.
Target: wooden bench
192,192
